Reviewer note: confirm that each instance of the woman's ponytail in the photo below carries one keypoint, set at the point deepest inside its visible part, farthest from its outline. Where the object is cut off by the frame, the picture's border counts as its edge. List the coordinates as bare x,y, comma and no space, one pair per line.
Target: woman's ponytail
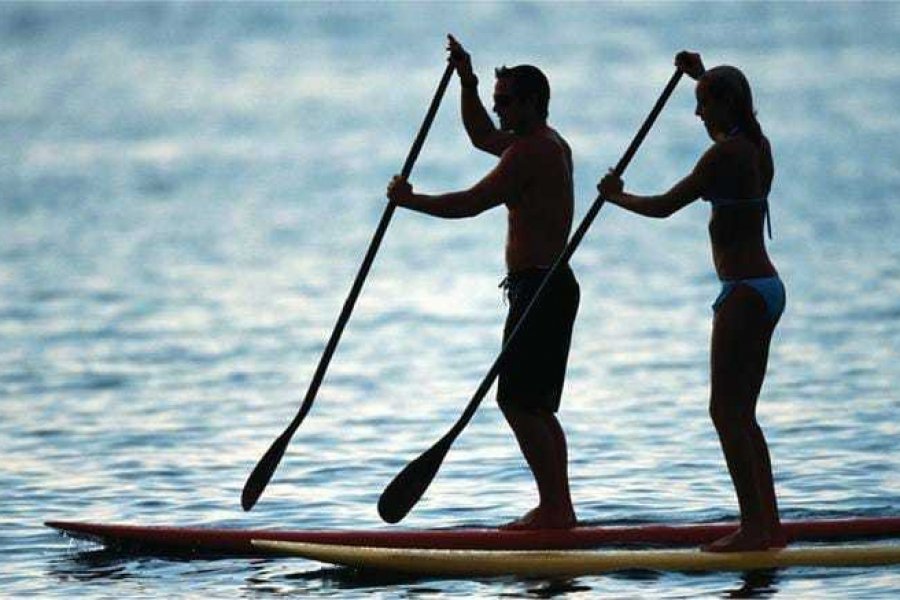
728,84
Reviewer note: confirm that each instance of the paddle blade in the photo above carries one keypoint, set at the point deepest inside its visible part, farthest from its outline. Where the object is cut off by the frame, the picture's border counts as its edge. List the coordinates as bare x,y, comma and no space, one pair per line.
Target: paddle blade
407,488
264,469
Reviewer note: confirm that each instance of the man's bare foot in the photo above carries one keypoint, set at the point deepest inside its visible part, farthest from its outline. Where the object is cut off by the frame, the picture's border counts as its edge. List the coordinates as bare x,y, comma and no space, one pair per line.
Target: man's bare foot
542,518
742,541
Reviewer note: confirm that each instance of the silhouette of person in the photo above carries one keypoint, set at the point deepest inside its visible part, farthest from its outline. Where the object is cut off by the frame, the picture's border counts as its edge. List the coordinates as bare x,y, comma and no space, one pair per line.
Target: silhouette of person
734,175
533,179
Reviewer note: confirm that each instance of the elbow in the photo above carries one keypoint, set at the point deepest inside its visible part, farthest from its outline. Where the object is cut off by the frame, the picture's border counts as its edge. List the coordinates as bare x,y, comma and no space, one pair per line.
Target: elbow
464,212
471,205
480,142
664,207
475,211
456,210
652,211
483,140
665,212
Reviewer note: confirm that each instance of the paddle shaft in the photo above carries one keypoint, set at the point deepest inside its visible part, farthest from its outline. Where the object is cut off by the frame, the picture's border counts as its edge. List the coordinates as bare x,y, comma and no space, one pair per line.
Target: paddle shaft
265,468
395,501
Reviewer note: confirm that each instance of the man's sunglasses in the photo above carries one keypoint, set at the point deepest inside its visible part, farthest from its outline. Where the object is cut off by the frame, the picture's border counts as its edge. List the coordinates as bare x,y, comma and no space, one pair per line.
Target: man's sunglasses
503,100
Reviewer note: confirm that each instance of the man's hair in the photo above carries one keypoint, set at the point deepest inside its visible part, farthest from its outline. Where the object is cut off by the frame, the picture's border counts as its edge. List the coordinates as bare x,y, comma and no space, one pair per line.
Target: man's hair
528,81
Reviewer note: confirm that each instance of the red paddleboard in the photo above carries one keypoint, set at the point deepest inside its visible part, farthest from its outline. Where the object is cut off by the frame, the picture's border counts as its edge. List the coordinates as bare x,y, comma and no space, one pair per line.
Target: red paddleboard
237,542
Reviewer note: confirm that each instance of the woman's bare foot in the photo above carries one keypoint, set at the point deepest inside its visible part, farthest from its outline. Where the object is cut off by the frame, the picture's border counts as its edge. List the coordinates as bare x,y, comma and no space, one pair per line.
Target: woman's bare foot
542,518
743,541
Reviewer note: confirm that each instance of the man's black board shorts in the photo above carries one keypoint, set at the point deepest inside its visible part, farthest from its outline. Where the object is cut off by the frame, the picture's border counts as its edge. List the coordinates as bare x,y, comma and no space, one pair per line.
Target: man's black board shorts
534,368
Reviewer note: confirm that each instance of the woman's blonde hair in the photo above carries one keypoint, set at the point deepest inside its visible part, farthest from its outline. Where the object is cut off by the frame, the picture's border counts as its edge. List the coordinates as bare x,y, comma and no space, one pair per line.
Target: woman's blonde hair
728,84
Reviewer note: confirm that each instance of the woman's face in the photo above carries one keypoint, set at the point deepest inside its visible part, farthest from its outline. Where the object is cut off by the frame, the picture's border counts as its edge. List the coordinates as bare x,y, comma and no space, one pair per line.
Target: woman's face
713,112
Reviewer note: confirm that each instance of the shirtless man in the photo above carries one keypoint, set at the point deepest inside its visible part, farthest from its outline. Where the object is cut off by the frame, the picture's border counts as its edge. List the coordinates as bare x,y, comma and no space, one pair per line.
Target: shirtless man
534,180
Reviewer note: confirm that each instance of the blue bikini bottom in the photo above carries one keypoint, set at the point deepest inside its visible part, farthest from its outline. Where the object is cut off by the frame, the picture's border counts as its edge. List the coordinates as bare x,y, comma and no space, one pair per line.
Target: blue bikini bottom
770,288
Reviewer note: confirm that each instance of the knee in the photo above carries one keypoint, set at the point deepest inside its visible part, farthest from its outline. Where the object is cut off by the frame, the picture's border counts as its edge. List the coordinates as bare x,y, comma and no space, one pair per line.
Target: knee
729,420
507,411
717,415
512,412
518,415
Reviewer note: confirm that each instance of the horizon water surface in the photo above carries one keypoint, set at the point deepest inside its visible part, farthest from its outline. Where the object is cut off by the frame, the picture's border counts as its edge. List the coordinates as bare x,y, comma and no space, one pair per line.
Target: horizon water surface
186,193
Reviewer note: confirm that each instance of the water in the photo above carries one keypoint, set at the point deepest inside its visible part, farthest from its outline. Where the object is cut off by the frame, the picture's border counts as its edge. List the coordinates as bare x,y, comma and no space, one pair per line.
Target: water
187,192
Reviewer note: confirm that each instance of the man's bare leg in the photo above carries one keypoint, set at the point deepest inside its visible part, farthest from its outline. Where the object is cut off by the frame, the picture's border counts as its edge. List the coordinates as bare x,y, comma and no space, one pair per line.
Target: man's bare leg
543,443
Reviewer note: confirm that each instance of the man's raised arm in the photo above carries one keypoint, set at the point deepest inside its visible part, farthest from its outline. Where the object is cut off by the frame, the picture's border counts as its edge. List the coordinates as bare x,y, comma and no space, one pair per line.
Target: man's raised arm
479,126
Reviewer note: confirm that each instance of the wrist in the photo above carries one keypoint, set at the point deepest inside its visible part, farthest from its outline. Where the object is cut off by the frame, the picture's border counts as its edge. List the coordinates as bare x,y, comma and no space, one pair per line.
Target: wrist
410,200
469,82
614,197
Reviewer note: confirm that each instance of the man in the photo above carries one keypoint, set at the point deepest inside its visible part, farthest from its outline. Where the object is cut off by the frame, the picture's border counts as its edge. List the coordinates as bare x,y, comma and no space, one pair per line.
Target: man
534,180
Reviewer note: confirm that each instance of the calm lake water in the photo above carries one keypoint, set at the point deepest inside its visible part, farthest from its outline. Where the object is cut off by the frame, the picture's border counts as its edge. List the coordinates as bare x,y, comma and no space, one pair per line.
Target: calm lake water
186,193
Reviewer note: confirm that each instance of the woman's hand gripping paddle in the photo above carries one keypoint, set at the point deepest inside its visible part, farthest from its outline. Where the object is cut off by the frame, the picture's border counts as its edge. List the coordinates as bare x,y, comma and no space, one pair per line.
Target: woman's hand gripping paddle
266,466
408,486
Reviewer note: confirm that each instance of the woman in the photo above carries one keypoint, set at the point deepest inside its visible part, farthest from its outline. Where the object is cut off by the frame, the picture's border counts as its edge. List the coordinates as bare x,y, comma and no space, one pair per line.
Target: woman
734,175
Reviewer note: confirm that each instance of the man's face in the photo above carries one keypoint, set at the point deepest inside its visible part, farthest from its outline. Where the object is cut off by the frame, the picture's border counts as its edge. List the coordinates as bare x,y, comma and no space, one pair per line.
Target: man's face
508,108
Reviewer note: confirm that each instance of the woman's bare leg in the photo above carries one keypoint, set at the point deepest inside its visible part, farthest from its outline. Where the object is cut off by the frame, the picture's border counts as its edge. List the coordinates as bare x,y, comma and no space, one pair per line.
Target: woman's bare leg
739,355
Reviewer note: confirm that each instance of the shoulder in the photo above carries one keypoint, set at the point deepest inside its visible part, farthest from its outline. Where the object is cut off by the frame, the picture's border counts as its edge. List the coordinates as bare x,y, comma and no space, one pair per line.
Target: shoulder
522,148
561,141
766,148
728,152
540,144
553,138
711,158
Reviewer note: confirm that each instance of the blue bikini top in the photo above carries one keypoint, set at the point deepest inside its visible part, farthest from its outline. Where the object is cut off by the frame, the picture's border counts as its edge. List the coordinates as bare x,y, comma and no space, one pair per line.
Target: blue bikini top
764,202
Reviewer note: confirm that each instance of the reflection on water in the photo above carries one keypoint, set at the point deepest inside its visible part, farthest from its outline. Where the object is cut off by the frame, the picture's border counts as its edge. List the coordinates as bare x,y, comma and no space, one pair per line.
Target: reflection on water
757,584
292,577
91,565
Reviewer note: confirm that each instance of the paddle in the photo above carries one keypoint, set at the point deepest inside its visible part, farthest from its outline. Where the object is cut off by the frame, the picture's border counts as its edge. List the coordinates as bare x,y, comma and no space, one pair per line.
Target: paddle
408,486
266,466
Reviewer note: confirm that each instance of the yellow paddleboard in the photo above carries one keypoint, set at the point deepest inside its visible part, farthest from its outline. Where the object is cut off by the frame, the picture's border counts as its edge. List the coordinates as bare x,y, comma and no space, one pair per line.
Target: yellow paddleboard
552,563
